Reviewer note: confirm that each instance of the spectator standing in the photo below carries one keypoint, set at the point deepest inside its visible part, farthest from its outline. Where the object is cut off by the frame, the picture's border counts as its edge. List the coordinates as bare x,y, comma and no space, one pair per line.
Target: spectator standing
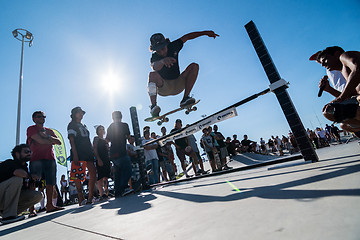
15,195
81,153
117,133
236,145
151,158
335,133
42,163
183,149
170,151
64,188
222,147
210,148
103,166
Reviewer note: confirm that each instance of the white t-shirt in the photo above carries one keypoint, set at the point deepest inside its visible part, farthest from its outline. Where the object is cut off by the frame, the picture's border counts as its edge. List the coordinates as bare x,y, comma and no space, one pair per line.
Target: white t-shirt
150,154
337,79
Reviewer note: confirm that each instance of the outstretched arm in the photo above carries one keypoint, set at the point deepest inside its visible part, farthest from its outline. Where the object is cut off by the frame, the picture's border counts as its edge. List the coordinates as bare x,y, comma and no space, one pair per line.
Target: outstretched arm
351,61
194,35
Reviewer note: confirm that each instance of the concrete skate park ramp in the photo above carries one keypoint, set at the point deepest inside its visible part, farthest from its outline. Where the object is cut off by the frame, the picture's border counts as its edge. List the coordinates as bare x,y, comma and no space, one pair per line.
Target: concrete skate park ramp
302,201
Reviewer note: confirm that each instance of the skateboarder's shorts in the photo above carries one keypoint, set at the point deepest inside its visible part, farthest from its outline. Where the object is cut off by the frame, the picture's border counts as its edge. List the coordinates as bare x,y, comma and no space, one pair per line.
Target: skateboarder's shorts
46,168
172,87
181,153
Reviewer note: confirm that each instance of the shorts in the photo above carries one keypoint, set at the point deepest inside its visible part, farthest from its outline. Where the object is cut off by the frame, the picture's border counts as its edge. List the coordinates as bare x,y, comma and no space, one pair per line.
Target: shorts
162,164
223,152
78,171
210,155
44,168
181,154
172,87
103,171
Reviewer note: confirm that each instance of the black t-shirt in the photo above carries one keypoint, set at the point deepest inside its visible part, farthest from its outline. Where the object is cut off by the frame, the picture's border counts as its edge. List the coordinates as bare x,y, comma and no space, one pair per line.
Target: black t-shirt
82,141
8,167
173,51
117,134
335,130
221,140
246,142
180,142
102,149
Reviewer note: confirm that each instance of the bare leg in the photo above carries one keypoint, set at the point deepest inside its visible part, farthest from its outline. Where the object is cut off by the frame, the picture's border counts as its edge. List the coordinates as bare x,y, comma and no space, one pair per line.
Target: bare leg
100,185
49,196
79,190
157,79
190,74
92,180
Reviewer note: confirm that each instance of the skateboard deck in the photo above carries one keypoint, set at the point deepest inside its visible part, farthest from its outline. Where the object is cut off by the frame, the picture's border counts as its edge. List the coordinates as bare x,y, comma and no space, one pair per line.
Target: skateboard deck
163,118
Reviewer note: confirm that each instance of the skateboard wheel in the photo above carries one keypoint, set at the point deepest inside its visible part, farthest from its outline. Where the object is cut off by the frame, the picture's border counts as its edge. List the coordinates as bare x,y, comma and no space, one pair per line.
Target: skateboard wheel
187,112
166,120
159,123
194,108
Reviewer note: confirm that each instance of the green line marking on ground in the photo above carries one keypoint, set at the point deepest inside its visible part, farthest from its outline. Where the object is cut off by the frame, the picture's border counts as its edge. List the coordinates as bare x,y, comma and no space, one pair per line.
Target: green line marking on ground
233,186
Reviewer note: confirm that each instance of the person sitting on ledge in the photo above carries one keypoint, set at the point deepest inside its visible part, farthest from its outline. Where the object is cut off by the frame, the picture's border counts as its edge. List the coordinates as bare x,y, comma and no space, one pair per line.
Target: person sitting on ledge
15,195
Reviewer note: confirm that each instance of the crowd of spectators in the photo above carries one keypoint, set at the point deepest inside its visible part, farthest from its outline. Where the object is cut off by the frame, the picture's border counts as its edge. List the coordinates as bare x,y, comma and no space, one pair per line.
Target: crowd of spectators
112,154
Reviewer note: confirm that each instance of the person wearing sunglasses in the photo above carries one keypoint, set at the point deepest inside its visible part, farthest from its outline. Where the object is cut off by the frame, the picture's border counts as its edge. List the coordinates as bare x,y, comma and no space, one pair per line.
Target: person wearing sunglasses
42,163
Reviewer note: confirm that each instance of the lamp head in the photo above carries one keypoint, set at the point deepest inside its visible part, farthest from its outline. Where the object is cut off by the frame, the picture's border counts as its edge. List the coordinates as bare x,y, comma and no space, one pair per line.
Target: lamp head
15,33
28,35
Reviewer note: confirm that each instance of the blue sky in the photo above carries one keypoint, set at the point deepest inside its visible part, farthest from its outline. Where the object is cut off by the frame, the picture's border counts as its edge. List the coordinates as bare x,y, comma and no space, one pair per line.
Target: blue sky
94,54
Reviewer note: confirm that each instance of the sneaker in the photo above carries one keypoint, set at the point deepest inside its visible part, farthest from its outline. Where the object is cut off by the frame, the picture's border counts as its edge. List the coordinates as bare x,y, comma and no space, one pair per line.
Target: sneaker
202,171
83,202
12,219
127,191
186,101
226,167
155,110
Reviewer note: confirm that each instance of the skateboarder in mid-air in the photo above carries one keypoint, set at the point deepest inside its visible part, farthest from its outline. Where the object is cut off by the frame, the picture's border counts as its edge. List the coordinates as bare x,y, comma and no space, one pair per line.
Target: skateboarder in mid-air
166,79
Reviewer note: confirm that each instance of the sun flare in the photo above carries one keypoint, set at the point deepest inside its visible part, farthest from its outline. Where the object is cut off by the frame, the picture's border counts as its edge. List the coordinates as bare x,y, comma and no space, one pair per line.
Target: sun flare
111,82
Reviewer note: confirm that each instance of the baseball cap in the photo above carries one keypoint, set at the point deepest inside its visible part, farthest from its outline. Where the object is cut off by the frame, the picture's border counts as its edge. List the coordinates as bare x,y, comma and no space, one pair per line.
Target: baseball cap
76,110
314,56
158,41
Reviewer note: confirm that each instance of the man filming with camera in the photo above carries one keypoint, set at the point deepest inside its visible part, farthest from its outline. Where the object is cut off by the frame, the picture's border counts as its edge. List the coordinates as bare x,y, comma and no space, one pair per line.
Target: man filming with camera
15,195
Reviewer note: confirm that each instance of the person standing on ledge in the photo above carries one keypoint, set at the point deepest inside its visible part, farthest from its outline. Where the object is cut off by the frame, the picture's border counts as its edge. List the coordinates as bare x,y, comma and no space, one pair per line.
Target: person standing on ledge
165,79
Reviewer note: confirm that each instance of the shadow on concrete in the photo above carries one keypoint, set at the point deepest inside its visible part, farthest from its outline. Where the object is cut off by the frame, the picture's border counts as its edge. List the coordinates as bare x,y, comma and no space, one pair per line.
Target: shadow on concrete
279,191
313,166
40,219
130,204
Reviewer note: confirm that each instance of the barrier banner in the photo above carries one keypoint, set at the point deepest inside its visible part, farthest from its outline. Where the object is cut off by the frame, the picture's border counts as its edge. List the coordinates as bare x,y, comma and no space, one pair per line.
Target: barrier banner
60,152
219,117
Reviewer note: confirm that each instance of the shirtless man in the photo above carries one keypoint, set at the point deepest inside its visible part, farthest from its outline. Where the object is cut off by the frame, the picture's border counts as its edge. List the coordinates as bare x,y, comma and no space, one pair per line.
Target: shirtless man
166,79
344,108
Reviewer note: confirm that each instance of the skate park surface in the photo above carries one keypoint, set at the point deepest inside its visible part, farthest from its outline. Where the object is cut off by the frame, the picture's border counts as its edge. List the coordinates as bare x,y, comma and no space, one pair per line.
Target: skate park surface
292,200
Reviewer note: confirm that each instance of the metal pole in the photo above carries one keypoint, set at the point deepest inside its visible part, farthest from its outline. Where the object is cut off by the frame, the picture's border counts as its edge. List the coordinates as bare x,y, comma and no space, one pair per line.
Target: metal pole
19,97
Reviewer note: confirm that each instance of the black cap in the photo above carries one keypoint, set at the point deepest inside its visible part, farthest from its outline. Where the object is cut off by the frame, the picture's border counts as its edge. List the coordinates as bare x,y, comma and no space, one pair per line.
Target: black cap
158,41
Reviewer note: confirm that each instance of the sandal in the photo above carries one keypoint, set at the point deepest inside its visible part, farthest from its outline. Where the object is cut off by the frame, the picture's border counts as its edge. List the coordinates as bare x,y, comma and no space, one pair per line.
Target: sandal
32,214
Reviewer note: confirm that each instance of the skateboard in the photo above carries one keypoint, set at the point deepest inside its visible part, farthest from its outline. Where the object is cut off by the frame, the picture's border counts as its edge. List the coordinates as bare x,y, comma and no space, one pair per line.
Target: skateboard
163,118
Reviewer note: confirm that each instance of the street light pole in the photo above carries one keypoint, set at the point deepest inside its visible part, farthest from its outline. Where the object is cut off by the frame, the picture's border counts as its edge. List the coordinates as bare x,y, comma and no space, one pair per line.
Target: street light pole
24,35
